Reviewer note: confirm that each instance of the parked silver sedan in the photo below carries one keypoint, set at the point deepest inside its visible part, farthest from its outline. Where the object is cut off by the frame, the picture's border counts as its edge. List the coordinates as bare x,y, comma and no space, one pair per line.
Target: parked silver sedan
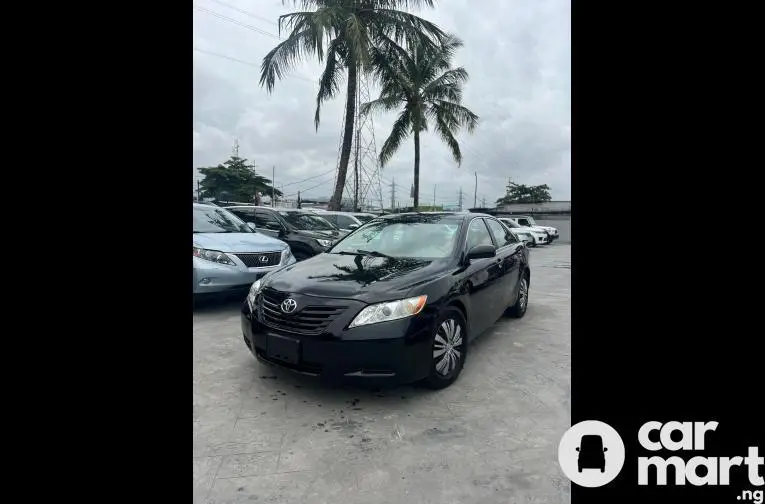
228,254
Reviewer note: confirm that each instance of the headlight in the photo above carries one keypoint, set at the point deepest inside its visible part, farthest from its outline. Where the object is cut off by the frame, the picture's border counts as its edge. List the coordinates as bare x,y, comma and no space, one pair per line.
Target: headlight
392,310
213,256
324,243
286,254
254,289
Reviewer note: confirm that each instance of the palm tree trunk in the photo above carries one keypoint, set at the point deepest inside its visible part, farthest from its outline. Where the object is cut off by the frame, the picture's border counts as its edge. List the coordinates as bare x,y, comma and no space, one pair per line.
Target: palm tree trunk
345,151
416,169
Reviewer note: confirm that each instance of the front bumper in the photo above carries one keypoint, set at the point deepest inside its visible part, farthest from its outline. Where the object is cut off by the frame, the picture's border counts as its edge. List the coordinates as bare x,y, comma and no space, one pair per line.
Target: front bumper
387,353
210,277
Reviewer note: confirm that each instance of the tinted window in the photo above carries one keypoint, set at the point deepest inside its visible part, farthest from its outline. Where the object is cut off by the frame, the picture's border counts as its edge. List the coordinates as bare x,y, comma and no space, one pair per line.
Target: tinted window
344,222
330,218
524,222
217,220
246,214
502,236
307,221
266,220
431,237
364,218
478,234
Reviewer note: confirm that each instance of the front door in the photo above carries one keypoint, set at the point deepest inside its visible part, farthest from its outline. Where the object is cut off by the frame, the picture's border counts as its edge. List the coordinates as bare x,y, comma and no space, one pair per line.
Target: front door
484,277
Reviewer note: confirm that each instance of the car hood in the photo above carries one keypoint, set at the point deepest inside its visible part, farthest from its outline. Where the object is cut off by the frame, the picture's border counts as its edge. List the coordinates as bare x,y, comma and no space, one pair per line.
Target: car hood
362,278
238,242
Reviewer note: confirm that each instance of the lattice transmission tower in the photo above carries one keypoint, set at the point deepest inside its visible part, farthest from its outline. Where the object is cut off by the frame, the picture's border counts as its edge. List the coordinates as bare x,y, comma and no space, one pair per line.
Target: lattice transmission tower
363,182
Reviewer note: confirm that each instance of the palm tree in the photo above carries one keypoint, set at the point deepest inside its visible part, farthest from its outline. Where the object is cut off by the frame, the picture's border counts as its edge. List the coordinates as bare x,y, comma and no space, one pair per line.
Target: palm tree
350,29
423,81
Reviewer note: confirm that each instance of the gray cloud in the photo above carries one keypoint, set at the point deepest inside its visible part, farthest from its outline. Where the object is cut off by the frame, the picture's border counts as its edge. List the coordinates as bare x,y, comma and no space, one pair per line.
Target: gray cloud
518,56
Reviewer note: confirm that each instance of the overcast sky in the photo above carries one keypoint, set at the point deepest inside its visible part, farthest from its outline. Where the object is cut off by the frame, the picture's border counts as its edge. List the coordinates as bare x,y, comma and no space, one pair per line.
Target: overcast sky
517,52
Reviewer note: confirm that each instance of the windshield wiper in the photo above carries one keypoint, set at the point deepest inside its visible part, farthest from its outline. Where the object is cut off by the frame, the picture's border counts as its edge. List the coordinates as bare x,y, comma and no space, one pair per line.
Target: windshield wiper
370,253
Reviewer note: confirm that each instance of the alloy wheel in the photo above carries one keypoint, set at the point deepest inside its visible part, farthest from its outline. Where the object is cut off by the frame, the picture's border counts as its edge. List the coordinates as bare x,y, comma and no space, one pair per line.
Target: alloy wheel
448,347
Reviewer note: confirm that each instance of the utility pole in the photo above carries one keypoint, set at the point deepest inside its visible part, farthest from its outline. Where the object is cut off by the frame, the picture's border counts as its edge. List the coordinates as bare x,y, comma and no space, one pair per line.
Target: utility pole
236,147
460,199
393,193
483,203
199,192
356,174
273,186
434,196
298,201
475,194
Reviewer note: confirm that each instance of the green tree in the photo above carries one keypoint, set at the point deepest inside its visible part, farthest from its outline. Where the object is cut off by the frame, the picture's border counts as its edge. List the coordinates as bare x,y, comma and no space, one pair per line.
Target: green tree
520,193
349,29
423,81
234,180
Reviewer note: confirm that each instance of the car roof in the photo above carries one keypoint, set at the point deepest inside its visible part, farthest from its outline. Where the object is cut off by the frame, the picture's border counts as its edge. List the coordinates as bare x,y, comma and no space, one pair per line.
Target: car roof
464,215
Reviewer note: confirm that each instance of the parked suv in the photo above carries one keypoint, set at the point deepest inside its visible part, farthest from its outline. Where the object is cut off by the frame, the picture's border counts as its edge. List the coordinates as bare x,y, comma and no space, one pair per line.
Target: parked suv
528,221
305,232
228,255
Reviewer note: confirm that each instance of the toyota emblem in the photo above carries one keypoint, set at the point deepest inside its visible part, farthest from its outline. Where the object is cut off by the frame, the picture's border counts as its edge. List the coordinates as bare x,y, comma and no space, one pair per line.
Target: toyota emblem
263,258
289,305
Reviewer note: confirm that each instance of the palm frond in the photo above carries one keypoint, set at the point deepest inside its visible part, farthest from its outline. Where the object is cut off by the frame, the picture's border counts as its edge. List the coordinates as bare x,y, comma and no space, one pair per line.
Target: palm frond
282,58
445,132
454,115
329,83
384,103
405,27
447,86
398,134
357,40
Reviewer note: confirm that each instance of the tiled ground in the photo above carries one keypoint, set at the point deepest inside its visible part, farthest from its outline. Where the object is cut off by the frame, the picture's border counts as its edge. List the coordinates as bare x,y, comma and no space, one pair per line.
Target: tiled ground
265,436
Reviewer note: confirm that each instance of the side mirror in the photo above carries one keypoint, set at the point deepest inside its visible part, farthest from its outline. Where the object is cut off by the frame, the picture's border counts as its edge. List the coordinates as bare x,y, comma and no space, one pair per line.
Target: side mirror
482,252
353,226
251,225
577,448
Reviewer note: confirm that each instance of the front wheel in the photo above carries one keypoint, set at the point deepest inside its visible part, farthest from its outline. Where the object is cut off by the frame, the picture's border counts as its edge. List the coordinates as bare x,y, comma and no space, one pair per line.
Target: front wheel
449,345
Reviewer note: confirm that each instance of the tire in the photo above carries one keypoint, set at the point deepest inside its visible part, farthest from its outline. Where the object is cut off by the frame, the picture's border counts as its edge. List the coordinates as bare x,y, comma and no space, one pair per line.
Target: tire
445,372
518,310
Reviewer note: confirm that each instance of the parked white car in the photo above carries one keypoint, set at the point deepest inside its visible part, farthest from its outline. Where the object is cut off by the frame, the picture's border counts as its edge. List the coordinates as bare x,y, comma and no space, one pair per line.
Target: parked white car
534,235
528,221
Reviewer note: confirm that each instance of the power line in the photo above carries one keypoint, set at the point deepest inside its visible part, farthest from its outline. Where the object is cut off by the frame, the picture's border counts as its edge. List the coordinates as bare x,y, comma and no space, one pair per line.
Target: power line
242,11
310,178
236,22
248,63
310,188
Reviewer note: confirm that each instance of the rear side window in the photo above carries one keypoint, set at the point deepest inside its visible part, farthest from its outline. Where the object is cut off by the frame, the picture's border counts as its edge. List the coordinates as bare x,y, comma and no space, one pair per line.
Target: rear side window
343,221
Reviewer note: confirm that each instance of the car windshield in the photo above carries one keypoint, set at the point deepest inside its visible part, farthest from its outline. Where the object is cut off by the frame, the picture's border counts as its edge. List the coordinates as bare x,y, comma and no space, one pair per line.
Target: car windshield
307,221
217,220
531,221
417,236
592,443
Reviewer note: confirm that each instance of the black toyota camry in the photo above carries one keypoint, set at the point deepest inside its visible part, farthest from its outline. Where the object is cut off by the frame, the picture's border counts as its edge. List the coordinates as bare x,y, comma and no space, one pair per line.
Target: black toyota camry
397,300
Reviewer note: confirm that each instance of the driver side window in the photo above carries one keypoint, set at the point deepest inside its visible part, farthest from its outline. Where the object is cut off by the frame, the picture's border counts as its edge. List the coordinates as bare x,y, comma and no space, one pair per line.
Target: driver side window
478,234
264,220
502,235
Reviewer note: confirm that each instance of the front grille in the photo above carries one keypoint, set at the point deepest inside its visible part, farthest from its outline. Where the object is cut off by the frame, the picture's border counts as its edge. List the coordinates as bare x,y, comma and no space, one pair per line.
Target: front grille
260,259
310,319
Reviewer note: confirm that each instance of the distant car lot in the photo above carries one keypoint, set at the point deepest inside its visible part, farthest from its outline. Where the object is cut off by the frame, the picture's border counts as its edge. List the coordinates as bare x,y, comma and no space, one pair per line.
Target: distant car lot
264,435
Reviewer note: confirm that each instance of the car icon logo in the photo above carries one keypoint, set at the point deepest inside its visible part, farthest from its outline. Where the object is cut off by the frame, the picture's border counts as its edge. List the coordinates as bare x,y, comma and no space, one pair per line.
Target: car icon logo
289,305
591,453
263,258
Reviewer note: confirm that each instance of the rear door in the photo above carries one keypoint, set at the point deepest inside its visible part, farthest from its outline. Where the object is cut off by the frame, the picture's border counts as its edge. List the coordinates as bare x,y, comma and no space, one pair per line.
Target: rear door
509,251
